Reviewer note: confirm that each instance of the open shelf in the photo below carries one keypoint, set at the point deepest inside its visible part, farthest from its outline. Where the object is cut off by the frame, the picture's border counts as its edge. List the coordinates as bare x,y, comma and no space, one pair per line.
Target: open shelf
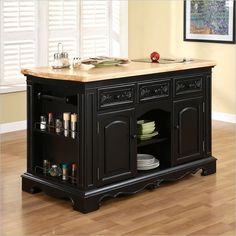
158,146
39,172
61,135
50,130
55,179
142,143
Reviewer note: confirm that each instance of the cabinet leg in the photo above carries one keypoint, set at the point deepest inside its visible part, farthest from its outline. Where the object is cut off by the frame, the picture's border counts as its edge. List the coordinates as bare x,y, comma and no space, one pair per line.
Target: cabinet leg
85,205
209,169
29,186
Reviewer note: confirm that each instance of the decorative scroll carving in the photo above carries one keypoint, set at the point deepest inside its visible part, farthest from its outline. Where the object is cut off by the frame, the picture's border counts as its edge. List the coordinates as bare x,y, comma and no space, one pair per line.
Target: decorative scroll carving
188,86
151,185
154,91
116,97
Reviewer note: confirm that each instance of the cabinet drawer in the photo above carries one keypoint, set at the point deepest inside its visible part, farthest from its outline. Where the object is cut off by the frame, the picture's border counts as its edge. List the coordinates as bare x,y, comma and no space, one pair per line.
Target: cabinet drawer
154,90
188,85
115,96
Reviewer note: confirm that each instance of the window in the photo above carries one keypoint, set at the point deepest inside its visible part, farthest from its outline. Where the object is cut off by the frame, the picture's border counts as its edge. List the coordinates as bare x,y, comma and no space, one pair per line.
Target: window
31,30
18,38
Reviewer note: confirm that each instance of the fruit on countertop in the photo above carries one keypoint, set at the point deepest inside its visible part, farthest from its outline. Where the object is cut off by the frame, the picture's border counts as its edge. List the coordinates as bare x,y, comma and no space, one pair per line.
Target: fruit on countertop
155,56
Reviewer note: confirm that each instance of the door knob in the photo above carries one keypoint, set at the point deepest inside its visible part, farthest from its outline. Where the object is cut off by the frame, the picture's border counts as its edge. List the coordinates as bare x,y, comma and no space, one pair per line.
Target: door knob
133,136
176,126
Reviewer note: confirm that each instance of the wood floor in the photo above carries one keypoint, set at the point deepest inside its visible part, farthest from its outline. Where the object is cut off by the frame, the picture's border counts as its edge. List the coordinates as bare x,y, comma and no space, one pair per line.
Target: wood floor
196,205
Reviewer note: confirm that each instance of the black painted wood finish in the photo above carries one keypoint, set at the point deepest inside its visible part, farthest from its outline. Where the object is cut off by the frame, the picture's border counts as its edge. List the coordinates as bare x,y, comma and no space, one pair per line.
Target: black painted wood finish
116,146
189,130
106,144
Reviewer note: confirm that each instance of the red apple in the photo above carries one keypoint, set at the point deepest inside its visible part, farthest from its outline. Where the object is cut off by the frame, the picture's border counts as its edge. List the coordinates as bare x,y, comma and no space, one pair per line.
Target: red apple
155,56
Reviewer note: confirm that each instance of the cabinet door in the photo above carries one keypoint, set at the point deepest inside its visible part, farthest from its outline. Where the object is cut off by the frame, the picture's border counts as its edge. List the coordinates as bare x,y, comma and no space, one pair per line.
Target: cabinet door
116,146
188,133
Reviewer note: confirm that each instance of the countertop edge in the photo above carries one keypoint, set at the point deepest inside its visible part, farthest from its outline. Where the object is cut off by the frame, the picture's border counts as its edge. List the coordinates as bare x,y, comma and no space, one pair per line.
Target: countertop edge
70,75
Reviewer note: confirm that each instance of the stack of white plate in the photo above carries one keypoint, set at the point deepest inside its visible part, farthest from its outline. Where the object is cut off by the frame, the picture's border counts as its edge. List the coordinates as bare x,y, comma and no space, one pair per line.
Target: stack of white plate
146,129
147,162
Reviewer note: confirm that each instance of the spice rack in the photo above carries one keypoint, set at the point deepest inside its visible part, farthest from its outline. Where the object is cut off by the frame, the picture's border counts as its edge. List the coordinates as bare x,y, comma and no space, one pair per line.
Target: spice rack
40,170
57,144
50,130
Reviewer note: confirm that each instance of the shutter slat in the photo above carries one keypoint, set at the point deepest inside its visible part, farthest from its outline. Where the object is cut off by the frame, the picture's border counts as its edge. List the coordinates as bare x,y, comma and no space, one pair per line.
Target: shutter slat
17,54
19,15
18,46
62,14
95,28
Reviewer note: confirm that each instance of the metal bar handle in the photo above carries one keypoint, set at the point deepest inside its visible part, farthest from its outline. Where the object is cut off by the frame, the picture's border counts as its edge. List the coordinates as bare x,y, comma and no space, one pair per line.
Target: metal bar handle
54,98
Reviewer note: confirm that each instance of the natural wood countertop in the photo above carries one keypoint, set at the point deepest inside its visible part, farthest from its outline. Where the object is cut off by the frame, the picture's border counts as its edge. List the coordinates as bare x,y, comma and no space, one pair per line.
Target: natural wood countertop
113,72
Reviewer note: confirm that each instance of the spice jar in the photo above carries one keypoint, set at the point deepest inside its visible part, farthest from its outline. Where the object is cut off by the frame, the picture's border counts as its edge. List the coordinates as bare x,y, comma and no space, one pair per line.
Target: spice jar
50,122
57,62
73,173
46,166
65,172
43,122
66,123
58,126
65,59
55,171
76,62
73,125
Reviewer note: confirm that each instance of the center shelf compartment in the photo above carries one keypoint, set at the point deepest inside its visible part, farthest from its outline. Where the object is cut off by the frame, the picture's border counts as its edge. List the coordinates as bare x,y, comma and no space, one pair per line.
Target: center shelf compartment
158,146
142,143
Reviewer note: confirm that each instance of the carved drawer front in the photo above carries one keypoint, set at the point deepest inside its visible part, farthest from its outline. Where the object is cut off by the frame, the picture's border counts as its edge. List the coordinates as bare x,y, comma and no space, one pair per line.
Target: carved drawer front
188,85
150,91
115,96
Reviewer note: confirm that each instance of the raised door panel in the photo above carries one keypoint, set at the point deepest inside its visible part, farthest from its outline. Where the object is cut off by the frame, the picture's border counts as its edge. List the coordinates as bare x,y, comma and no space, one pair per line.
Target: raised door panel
117,156
188,138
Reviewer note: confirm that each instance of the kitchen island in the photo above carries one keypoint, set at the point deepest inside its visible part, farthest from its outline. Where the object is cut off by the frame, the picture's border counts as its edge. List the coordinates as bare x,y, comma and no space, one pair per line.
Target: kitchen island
104,146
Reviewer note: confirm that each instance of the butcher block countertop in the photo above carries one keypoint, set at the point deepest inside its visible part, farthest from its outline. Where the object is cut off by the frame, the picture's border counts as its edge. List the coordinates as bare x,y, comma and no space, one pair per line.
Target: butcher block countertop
113,72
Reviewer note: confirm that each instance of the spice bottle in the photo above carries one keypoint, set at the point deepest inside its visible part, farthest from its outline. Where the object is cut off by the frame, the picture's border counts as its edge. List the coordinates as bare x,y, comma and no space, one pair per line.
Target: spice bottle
65,172
55,171
58,125
73,125
57,63
50,121
76,62
73,173
65,59
43,123
66,123
46,166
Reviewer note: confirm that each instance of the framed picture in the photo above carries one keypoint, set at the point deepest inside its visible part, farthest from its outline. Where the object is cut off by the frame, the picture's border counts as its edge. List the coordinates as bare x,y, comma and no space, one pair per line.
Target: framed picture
209,20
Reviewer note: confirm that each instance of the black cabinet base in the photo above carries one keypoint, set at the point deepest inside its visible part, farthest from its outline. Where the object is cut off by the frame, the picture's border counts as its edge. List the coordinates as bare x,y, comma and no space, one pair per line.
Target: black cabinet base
88,201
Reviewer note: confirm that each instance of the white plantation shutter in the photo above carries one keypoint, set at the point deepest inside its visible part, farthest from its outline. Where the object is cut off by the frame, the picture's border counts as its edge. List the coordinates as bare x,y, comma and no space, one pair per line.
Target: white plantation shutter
63,18
31,30
17,54
95,28
18,38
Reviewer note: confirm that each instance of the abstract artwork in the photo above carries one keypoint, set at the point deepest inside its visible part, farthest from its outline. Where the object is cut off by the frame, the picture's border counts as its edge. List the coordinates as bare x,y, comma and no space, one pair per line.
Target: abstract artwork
209,20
